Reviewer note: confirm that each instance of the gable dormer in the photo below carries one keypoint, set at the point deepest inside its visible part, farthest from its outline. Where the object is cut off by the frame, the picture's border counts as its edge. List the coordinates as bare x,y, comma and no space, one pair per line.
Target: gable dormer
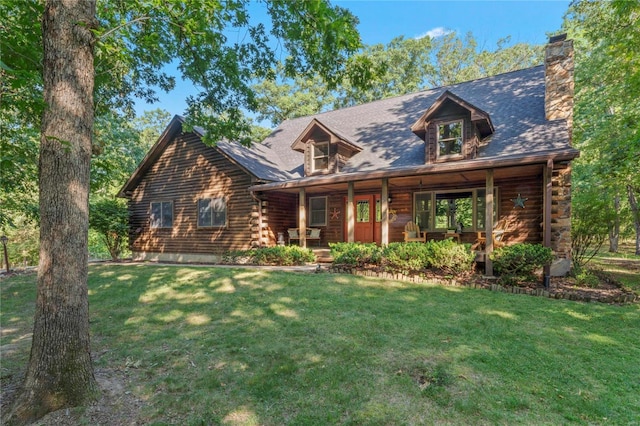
452,129
325,150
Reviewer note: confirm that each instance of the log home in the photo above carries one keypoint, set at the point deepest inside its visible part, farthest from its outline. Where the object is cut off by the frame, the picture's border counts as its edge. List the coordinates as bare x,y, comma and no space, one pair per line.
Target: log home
464,156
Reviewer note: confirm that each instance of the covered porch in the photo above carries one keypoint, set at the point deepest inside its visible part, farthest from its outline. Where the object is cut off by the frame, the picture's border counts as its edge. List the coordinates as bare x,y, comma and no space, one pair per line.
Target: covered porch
375,206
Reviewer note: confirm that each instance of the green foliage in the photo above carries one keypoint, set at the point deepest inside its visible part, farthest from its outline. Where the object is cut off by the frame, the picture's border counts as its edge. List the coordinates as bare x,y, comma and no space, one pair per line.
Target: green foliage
276,255
406,257
445,255
109,217
409,257
585,278
355,254
520,261
22,245
607,110
283,255
458,59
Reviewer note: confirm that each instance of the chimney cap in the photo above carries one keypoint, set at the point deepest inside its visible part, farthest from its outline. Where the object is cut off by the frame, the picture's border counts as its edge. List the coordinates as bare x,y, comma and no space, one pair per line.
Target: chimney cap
558,37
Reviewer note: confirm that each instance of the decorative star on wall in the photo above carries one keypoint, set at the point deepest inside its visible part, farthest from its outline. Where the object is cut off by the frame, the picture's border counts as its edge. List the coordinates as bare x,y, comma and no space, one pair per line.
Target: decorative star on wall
518,201
335,214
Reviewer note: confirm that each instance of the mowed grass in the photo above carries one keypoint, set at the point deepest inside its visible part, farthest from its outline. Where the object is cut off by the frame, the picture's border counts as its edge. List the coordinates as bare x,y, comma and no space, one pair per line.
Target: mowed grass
254,347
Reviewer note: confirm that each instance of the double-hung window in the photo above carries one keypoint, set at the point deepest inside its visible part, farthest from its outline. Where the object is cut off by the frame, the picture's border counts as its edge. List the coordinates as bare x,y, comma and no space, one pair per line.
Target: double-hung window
212,212
320,156
318,211
161,214
450,139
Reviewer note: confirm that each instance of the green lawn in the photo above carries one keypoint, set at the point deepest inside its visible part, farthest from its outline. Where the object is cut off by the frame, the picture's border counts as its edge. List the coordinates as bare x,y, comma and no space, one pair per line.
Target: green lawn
240,346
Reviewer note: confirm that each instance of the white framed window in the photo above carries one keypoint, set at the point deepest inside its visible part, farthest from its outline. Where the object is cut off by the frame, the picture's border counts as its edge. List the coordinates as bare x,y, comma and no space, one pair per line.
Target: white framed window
212,212
161,215
318,211
450,139
320,160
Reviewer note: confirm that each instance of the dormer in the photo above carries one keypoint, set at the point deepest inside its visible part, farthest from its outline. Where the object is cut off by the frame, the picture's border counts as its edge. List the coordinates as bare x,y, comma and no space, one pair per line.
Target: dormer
452,129
325,150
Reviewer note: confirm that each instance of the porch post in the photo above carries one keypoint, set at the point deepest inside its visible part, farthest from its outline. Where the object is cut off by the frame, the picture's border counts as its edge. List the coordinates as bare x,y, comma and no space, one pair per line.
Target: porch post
384,207
546,221
488,264
302,218
350,219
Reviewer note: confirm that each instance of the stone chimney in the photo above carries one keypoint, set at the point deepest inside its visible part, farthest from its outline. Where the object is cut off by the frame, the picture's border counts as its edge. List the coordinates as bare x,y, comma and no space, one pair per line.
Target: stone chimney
558,73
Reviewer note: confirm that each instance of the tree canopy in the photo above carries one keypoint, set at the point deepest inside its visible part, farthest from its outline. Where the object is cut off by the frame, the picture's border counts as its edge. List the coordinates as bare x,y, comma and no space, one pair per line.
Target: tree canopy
88,61
607,113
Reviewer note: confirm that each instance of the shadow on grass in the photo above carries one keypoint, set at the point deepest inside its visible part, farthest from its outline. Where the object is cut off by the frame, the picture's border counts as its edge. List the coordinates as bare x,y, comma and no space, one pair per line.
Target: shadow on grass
245,346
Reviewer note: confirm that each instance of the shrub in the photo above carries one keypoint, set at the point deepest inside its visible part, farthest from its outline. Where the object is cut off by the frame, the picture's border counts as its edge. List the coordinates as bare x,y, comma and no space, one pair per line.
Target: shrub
356,254
443,255
109,217
449,256
585,277
282,255
278,255
406,257
520,261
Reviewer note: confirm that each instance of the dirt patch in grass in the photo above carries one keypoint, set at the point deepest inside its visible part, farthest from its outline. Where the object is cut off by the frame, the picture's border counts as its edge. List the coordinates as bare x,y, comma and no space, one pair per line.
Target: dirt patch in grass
115,406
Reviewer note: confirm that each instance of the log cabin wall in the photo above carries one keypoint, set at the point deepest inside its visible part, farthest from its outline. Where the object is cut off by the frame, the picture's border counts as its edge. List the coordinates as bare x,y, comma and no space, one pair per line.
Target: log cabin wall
523,224
187,171
281,214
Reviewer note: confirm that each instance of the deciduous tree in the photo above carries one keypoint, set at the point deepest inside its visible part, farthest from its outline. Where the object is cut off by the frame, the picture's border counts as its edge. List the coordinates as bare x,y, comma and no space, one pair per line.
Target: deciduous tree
133,41
607,109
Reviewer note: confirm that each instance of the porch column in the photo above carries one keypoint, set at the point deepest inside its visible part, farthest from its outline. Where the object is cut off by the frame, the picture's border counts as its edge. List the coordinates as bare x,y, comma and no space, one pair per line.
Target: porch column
302,218
384,207
546,215
351,231
488,264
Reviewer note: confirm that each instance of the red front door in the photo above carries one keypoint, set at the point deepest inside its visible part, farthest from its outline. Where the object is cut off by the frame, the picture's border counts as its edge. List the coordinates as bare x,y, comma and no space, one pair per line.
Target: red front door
366,227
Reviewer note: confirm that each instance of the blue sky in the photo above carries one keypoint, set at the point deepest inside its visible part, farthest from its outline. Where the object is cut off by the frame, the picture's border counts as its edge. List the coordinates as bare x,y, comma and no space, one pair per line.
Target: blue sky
381,21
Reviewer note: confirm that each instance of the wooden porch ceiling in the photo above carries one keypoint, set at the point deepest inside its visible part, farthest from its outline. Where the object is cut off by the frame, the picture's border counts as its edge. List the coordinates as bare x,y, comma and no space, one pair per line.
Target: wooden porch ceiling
449,179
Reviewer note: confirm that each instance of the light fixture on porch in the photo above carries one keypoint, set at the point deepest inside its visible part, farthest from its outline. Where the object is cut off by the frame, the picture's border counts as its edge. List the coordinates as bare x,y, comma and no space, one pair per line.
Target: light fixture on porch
389,199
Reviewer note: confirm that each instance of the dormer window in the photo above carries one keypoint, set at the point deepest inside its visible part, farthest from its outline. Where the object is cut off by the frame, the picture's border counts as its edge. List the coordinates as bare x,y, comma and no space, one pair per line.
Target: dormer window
452,129
320,156
450,139
325,150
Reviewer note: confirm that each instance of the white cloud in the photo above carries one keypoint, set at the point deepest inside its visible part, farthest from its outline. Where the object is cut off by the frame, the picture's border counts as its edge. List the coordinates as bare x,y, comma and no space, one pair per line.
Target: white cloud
435,32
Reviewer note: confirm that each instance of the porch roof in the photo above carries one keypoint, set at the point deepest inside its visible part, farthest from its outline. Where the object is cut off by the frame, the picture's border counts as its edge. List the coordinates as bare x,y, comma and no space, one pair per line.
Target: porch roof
519,162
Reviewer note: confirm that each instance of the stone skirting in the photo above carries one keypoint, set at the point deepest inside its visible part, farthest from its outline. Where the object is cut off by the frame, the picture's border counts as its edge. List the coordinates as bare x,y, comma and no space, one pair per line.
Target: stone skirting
140,256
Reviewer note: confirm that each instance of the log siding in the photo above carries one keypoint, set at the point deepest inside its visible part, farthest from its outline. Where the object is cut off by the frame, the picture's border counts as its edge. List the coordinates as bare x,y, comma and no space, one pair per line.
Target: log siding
186,171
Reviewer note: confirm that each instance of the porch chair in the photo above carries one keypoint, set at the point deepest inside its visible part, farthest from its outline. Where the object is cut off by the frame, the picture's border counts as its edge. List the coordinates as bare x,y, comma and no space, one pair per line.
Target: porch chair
412,233
293,234
499,231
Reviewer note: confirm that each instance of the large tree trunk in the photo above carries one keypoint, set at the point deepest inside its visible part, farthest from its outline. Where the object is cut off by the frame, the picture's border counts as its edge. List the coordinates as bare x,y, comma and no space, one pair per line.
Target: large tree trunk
60,371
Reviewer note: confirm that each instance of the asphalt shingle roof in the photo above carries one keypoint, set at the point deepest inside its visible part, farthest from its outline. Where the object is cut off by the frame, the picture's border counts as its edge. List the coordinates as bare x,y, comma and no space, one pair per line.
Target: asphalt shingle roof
514,101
